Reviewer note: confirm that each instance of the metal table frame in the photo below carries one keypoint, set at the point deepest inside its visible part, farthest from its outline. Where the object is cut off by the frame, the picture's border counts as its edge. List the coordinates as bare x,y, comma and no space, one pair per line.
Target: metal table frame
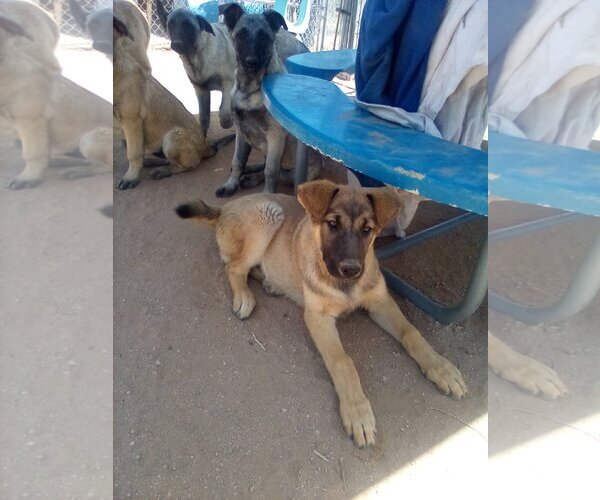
581,290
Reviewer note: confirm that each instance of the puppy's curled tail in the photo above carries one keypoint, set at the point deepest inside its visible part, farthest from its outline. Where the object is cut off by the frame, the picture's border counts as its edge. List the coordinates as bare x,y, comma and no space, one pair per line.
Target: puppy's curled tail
199,210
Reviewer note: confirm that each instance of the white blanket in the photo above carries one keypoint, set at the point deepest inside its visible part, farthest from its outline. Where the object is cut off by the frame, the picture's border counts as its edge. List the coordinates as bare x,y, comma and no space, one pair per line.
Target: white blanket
549,87
453,102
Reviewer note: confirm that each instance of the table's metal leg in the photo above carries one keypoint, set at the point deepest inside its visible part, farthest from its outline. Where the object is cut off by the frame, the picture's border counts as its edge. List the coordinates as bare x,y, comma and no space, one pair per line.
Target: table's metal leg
398,246
471,300
300,164
476,289
532,226
583,288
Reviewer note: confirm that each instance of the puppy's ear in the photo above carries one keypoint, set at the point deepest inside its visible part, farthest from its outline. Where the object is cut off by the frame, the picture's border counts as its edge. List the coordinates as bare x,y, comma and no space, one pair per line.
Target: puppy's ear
275,20
386,205
120,28
78,14
162,14
205,25
13,28
316,197
231,13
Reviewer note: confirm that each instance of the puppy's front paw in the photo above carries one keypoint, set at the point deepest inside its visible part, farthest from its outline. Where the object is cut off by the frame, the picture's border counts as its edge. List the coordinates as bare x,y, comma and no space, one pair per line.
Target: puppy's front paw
226,121
126,183
243,304
226,190
446,376
358,420
160,173
24,183
531,376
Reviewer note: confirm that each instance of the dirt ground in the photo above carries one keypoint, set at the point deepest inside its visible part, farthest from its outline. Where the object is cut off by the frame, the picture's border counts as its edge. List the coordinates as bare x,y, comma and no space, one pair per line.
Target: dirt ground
534,441
56,263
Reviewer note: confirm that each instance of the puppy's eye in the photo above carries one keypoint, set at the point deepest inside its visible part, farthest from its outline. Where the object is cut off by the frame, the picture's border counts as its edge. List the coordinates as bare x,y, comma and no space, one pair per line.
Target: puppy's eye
367,230
332,224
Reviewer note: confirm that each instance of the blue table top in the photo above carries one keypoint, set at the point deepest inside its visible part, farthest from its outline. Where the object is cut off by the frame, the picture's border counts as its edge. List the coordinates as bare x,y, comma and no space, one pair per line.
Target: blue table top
319,114
544,174
324,65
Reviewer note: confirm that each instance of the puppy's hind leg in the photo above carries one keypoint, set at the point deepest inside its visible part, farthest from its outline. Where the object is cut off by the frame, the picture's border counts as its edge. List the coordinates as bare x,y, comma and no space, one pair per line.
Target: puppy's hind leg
182,149
96,146
240,158
243,242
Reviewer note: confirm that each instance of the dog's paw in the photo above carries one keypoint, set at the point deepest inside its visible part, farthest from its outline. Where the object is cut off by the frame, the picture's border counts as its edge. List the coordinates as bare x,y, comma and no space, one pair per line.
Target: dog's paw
249,181
23,184
126,183
532,376
269,290
446,376
226,121
359,421
226,190
243,304
73,174
160,173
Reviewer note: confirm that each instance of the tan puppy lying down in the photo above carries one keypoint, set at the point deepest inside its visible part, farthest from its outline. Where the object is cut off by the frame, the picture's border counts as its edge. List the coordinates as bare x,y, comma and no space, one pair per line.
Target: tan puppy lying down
318,251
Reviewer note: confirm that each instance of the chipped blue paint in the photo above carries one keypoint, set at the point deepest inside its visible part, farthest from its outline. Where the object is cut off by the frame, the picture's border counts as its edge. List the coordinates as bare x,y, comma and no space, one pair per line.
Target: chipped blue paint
319,114
325,64
544,174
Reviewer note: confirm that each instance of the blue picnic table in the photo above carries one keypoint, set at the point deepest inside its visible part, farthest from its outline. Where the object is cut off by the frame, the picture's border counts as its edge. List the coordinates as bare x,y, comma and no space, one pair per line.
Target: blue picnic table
320,115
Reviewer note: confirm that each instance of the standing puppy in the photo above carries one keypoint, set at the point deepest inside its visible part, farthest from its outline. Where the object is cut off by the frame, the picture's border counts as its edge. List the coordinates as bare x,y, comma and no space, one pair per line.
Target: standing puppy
253,37
208,58
323,259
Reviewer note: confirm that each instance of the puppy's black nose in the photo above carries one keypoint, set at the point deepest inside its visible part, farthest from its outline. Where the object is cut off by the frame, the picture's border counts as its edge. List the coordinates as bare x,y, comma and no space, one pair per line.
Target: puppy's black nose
349,268
251,61
177,47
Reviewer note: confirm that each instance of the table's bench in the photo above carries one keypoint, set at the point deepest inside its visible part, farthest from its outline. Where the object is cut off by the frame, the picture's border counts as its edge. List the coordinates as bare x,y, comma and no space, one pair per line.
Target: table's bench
320,115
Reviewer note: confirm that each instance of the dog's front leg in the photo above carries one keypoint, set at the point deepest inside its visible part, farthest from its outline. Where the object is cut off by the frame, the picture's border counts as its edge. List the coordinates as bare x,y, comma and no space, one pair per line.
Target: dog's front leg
275,148
225,111
36,151
134,137
355,409
384,311
529,374
240,158
203,96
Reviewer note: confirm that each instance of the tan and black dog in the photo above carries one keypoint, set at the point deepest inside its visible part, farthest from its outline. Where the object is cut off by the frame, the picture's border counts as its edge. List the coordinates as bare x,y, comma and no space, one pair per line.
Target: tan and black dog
48,113
152,119
318,251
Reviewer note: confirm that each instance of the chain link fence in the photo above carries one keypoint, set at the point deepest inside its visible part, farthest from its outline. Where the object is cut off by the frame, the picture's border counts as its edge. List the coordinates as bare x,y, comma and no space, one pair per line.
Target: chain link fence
59,10
333,24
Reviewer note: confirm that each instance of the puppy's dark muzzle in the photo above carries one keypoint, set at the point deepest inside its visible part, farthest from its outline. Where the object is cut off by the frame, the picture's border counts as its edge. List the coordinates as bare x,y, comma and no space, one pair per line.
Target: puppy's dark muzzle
178,47
251,65
102,46
350,268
